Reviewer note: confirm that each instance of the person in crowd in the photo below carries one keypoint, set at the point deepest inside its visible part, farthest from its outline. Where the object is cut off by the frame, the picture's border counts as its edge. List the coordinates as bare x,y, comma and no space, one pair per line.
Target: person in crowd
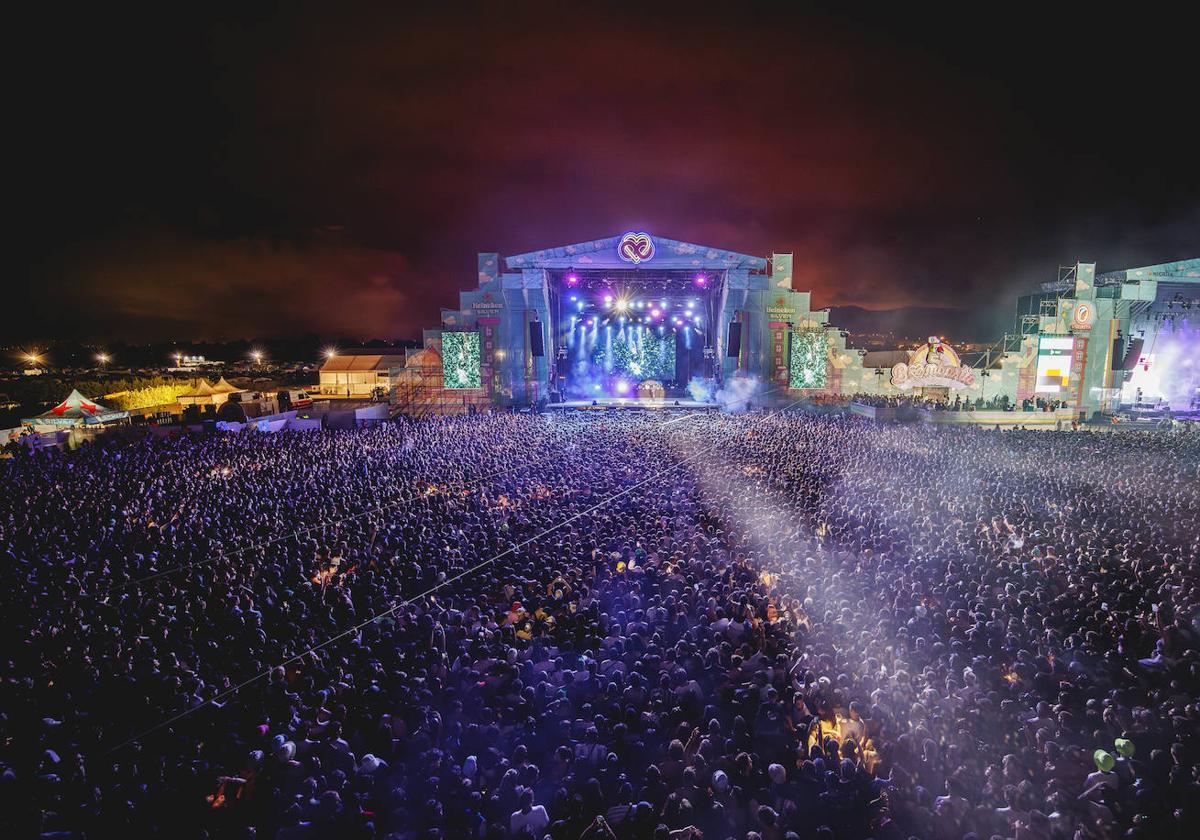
779,625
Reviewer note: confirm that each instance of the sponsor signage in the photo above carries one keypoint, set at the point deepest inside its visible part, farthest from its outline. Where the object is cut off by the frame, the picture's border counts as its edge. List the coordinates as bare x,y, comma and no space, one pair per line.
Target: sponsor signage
932,365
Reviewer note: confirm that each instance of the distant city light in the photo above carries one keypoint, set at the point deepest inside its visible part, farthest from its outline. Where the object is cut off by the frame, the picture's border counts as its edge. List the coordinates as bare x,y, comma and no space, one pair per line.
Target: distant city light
257,356
103,358
330,352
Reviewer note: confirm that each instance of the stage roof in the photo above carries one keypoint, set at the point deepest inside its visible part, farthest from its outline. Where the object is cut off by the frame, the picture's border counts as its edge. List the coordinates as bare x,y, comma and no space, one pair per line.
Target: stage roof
669,254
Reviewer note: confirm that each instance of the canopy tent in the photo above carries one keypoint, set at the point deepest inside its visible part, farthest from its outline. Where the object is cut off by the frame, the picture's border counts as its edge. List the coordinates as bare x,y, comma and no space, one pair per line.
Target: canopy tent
202,393
223,386
76,409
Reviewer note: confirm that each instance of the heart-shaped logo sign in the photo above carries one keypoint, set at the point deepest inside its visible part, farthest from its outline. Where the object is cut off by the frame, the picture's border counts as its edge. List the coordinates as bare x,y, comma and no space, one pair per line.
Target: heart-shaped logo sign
635,248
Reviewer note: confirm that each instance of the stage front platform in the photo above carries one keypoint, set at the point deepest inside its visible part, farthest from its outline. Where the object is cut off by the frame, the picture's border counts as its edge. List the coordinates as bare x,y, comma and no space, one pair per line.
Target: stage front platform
1060,419
631,403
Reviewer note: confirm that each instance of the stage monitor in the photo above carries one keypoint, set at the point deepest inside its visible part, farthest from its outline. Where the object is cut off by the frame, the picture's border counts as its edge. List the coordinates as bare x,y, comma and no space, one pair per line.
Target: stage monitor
808,361
460,360
1054,364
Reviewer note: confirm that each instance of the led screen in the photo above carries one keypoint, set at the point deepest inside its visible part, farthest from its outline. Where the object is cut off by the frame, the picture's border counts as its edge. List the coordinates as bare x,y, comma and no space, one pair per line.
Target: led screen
1053,364
807,367
641,354
460,360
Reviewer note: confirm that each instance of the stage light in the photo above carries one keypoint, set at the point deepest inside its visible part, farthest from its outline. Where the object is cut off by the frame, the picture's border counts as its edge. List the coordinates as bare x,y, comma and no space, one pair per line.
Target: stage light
572,278
579,306
608,299
654,313
622,386
701,279
622,305
574,298
102,358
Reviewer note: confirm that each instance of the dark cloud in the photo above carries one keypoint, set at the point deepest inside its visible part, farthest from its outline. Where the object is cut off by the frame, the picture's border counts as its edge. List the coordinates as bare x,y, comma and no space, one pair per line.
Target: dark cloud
178,287
309,171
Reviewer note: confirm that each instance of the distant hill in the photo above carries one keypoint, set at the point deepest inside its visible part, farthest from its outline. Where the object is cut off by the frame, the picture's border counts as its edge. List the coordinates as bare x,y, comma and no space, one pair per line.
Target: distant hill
918,322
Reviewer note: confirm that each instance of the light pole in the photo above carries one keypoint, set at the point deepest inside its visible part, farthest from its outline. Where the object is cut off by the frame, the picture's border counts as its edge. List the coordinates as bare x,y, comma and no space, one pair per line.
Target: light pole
329,353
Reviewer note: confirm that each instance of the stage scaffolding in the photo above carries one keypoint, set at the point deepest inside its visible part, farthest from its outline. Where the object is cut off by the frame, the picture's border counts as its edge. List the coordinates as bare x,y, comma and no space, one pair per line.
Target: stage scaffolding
417,389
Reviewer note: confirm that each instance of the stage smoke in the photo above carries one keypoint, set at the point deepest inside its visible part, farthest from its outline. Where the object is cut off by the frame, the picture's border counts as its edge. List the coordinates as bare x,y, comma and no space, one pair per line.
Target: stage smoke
702,390
1171,371
738,394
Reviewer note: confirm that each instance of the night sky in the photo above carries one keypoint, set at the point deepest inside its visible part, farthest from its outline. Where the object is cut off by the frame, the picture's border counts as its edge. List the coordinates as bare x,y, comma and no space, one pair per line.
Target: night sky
310,169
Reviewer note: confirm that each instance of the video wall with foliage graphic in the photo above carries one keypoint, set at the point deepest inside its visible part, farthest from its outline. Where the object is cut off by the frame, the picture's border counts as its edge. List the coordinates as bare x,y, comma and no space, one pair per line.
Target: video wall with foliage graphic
460,360
808,365
640,354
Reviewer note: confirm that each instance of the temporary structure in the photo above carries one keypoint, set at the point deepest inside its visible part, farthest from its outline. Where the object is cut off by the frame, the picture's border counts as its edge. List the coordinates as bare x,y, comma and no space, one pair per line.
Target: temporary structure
202,393
76,410
223,386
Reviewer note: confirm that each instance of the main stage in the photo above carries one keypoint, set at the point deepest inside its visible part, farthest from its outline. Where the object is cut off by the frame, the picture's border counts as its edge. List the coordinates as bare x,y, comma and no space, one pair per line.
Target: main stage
631,404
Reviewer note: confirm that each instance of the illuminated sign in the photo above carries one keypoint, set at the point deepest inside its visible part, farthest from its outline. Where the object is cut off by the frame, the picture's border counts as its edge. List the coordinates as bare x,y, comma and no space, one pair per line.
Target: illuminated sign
1083,316
636,248
1054,358
932,365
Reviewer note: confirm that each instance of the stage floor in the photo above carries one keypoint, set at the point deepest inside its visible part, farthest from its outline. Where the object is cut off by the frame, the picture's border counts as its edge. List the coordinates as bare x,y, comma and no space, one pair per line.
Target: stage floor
606,403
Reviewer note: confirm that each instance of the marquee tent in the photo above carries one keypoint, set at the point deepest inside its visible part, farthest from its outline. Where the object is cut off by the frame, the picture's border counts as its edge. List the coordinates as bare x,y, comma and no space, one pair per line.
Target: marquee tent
75,410
202,393
223,386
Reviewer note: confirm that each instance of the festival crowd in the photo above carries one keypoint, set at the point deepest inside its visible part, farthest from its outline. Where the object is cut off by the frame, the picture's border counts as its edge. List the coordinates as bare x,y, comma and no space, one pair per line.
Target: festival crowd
756,626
